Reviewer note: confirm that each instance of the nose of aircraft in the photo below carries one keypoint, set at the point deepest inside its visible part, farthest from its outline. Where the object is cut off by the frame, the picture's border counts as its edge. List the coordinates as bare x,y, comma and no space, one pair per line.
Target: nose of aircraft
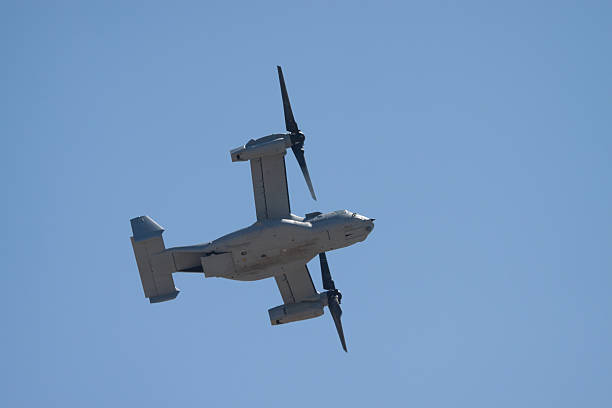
370,224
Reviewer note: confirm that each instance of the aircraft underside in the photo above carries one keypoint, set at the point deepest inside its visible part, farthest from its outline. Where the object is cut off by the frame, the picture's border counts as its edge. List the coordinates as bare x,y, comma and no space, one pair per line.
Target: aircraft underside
279,244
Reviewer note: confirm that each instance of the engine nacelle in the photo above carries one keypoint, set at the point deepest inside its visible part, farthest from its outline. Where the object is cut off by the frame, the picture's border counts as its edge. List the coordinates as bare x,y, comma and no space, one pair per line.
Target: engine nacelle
294,312
265,146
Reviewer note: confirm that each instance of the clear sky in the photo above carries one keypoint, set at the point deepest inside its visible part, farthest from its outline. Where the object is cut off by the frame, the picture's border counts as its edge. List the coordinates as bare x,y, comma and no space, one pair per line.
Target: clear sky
477,135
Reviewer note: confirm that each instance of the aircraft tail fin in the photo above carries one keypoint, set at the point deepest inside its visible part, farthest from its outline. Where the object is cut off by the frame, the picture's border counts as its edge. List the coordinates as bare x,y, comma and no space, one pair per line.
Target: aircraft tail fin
154,265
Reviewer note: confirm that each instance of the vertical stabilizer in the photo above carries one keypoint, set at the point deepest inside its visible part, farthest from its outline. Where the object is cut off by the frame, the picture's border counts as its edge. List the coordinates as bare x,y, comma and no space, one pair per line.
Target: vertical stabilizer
154,265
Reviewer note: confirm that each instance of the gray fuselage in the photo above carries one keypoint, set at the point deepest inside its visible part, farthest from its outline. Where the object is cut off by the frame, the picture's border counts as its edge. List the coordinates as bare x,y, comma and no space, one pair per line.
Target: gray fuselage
256,252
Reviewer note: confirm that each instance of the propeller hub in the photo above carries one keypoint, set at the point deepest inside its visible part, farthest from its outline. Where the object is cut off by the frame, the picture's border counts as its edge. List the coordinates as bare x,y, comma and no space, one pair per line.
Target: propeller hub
298,138
335,293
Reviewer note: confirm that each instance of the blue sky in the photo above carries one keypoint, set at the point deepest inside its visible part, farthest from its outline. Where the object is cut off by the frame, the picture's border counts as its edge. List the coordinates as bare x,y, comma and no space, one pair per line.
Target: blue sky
478,136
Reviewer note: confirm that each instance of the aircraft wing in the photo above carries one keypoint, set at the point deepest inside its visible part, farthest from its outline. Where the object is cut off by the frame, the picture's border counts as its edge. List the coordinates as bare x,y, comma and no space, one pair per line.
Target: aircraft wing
295,283
270,187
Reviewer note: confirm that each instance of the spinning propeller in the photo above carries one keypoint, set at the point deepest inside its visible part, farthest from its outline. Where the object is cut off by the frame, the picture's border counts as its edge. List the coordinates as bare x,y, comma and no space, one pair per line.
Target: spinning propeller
297,137
334,297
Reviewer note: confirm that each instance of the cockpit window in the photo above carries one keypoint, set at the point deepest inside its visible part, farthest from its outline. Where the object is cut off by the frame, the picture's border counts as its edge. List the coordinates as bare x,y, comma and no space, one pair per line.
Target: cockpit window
342,212
338,213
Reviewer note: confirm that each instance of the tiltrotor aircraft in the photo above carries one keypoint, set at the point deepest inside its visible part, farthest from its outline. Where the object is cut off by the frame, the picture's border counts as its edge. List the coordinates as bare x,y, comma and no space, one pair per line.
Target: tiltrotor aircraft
278,244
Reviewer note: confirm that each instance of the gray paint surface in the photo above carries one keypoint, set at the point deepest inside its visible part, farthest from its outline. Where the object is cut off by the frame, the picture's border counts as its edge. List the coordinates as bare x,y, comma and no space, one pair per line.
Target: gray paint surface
278,244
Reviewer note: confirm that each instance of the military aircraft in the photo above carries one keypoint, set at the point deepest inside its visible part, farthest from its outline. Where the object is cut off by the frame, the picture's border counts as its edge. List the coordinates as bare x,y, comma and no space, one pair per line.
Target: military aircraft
279,244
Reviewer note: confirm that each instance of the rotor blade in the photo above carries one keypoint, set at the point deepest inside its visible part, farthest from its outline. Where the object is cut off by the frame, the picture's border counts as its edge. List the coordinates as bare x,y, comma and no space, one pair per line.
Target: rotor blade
336,312
289,120
298,151
328,283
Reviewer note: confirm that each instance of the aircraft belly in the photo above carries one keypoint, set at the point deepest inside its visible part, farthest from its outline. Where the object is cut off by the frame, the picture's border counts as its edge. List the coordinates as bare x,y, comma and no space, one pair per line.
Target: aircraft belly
257,252
263,263
218,265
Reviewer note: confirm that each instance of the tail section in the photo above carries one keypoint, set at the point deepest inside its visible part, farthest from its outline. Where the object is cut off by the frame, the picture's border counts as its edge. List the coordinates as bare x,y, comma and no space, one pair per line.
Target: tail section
155,266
